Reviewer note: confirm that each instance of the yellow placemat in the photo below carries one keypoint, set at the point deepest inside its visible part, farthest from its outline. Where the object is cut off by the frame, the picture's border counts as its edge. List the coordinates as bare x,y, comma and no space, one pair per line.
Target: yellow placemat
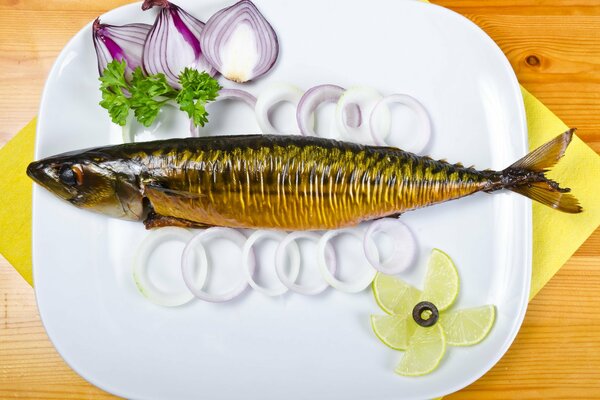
556,236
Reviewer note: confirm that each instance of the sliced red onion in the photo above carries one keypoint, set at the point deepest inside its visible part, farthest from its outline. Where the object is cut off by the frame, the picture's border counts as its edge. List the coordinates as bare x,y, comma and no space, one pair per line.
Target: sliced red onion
418,140
295,262
227,94
358,129
124,42
312,99
196,244
405,246
246,262
173,43
268,98
349,287
239,42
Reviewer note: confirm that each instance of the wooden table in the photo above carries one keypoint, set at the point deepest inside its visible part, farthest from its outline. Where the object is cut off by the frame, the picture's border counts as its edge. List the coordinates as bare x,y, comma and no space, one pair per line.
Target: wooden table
555,51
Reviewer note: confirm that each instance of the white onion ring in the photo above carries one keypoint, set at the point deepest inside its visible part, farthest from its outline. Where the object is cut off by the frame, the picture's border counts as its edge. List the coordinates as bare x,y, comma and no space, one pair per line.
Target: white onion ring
270,96
422,136
295,261
255,237
311,100
405,246
348,287
140,265
358,130
226,94
196,243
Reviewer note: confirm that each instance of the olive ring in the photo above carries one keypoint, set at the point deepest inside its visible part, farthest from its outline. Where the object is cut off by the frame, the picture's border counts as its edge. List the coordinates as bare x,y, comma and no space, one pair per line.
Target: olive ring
420,308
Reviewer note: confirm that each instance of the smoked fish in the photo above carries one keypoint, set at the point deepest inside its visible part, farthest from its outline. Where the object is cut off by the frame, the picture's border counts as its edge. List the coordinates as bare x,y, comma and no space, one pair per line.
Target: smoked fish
280,182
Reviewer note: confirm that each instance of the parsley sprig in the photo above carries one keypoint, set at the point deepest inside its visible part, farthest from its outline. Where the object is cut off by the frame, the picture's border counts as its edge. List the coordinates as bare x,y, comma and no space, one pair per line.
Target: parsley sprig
146,94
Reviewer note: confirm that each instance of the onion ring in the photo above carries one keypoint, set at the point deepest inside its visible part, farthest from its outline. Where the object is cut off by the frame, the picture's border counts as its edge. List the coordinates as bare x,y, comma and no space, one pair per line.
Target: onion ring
295,260
422,136
358,129
274,94
255,237
405,246
354,287
196,243
140,265
311,100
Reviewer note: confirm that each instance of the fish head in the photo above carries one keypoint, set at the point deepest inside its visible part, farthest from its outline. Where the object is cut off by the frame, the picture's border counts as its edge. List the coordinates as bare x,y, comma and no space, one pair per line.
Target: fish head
95,183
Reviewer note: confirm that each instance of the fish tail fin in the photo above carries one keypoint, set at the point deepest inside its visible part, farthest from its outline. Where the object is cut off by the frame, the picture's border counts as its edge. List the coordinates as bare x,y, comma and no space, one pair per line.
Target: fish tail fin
527,176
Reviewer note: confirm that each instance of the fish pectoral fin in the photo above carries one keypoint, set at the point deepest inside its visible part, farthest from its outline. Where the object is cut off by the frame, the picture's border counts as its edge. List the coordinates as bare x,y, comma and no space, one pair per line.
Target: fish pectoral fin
156,190
154,220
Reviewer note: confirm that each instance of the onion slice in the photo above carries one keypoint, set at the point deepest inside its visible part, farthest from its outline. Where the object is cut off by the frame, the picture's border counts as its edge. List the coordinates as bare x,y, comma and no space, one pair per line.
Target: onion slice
141,263
196,244
239,42
268,98
173,43
420,139
349,287
405,246
358,130
295,262
312,99
246,262
227,94
125,42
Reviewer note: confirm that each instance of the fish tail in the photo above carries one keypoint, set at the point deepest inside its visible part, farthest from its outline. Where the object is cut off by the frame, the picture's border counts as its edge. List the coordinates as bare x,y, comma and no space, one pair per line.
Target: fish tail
527,176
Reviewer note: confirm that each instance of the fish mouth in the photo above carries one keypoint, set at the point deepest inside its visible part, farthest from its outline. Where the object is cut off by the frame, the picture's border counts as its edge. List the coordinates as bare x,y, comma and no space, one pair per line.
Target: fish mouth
36,171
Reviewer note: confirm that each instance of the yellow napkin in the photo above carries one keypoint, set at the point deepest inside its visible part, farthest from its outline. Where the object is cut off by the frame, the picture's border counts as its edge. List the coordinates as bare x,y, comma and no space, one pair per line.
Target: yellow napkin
556,236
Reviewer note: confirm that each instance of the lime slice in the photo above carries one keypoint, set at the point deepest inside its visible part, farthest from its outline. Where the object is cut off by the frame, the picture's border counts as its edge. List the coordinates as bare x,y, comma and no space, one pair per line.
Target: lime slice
393,330
441,280
469,326
425,351
393,295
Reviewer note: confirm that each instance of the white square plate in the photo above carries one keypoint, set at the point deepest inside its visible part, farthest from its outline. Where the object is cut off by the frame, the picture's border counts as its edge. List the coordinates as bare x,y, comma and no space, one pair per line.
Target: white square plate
294,347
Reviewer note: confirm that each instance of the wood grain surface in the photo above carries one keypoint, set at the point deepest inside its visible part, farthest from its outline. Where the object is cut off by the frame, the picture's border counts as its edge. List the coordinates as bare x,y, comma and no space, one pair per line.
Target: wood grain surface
554,47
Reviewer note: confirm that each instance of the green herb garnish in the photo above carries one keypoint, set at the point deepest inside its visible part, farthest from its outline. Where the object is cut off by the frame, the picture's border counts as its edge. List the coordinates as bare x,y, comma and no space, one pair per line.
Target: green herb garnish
146,94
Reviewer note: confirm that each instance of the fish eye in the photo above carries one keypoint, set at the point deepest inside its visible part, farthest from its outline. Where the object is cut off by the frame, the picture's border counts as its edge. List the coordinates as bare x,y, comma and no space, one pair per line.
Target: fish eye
71,175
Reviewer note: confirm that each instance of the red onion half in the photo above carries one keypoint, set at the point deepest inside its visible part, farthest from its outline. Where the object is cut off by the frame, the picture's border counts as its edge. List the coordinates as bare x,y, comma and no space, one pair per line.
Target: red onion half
124,42
239,42
173,43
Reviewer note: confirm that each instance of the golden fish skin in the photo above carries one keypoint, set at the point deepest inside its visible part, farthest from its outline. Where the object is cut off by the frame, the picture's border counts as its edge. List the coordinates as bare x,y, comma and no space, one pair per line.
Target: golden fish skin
298,183
282,182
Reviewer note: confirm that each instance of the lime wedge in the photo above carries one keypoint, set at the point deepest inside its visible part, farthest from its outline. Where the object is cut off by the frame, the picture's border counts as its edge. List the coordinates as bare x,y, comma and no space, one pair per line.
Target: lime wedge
393,295
425,351
393,330
469,326
441,280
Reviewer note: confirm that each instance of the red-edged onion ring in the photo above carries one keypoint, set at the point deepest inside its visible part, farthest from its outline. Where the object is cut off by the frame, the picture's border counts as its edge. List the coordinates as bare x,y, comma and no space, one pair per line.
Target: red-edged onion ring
348,287
420,139
405,246
141,263
196,244
312,99
173,43
227,94
239,42
255,237
358,130
295,262
124,42
269,97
